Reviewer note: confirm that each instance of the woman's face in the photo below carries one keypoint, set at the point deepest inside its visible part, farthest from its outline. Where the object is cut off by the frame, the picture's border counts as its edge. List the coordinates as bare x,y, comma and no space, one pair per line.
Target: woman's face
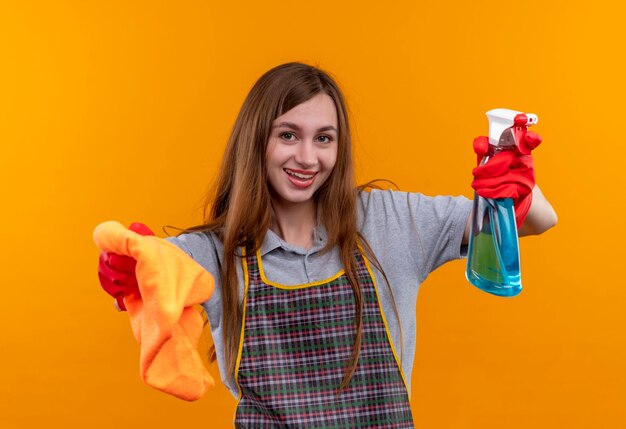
302,150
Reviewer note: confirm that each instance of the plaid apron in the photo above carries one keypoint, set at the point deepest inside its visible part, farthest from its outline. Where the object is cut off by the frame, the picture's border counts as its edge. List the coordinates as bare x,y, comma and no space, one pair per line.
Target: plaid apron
296,344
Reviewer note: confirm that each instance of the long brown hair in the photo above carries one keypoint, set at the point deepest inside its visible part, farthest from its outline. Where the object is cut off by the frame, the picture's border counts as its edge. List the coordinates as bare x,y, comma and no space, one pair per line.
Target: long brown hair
239,208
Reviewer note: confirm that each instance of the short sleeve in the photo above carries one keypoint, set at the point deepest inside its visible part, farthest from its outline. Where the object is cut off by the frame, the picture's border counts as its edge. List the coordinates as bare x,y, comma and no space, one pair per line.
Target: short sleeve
413,232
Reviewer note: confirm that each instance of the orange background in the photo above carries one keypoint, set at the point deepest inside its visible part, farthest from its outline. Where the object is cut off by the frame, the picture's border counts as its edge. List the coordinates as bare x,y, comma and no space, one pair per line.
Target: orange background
120,110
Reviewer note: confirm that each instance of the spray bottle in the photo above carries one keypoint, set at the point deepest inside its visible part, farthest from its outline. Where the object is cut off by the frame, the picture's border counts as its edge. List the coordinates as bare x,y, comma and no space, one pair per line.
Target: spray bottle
493,262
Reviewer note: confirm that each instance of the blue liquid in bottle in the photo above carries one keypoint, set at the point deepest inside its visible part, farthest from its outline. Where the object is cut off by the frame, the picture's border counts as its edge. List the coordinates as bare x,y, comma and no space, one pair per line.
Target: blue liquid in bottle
493,262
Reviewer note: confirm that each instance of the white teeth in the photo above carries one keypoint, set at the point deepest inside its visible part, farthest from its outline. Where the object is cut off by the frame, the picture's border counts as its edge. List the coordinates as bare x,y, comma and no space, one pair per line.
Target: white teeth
298,175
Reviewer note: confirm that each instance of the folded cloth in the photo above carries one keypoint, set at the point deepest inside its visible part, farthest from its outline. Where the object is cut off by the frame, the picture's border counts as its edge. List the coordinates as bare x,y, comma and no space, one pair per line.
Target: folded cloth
162,316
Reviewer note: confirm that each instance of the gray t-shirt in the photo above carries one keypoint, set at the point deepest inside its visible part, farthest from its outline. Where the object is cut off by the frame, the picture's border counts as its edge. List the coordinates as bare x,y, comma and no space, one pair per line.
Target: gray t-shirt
410,234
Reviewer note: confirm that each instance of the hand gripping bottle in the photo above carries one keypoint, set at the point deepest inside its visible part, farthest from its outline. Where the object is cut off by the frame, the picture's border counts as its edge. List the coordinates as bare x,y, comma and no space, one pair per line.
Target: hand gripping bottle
493,262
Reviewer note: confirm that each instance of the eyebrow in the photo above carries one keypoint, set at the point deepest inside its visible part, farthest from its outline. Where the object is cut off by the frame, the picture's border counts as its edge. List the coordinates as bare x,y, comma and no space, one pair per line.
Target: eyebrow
293,126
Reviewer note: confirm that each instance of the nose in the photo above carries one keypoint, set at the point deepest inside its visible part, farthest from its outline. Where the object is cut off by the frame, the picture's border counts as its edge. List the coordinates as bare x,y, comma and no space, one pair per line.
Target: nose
305,154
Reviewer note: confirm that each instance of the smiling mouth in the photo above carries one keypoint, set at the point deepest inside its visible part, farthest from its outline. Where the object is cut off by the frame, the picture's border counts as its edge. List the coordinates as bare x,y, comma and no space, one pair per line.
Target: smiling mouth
300,175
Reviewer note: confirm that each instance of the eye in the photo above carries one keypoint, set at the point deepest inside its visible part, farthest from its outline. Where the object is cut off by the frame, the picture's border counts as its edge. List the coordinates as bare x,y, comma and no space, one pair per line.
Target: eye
324,139
287,136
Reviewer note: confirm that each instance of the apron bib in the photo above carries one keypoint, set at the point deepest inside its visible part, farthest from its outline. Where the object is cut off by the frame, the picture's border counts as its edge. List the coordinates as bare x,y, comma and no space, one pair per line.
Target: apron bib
296,342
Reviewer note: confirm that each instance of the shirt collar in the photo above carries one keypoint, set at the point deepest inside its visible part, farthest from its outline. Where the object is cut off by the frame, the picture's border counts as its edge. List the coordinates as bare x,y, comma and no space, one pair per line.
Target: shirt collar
272,241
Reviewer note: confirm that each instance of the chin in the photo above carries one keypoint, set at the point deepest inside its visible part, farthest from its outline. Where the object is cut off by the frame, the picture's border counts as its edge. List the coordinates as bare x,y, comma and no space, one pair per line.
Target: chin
290,198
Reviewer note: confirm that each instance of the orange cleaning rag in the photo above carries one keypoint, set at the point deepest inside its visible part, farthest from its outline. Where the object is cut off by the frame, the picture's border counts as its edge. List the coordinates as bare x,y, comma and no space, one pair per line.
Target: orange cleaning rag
163,319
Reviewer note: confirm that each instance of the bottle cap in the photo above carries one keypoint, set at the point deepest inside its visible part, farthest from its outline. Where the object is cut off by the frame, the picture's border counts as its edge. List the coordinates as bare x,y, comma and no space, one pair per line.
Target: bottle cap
500,120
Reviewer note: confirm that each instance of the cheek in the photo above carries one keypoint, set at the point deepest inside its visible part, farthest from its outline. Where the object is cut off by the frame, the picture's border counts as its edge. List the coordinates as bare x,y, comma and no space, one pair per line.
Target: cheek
330,159
276,155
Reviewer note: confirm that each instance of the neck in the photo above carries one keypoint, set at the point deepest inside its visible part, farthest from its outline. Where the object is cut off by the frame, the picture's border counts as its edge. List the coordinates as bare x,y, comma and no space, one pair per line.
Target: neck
294,223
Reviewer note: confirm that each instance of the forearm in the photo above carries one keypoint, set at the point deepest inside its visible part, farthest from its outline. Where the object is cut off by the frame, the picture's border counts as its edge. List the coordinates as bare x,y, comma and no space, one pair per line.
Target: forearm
541,216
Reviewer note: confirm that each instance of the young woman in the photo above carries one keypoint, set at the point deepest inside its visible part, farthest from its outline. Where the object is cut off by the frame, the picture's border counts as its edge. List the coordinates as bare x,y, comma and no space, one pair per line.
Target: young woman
313,314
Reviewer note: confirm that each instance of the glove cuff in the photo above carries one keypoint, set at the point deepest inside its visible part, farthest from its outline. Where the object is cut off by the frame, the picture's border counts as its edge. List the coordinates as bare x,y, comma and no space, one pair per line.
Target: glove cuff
119,303
521,209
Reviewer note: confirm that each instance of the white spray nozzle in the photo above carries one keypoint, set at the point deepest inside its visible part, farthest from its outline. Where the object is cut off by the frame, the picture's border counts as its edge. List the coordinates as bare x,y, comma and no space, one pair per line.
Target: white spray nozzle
501,119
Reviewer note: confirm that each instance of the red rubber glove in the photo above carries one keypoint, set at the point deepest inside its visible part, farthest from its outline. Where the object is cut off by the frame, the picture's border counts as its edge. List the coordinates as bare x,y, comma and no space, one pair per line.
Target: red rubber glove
508,174
117,272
